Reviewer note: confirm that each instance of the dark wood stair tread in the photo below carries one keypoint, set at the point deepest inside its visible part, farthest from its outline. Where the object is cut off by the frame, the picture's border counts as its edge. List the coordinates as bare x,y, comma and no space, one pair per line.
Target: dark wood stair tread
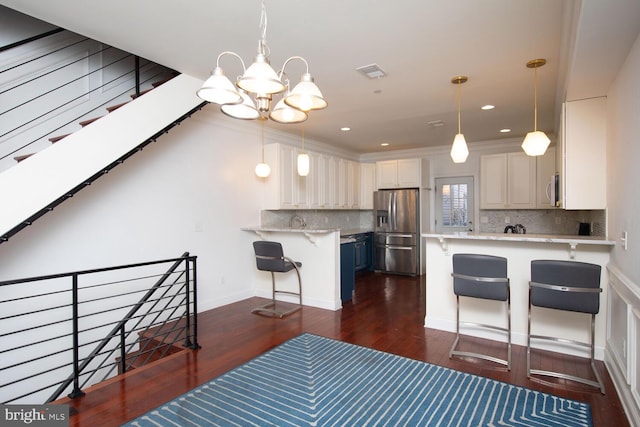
58,138
22,157
115,107
88,121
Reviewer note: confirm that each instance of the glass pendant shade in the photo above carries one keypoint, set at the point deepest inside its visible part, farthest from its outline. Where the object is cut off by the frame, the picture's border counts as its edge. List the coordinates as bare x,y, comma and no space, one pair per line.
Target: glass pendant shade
306,96
282,113
263,170
219,89
459,150
303,164
246,110
261,78
535,143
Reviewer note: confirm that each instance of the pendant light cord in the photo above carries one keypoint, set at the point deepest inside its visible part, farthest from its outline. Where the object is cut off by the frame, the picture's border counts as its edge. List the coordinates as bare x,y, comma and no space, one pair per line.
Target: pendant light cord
535,99
303,138
459,106
262,123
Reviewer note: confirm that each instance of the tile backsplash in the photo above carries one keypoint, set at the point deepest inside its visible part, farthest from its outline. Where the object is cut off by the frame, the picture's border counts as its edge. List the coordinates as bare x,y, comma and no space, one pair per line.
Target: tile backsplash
319,219
543,221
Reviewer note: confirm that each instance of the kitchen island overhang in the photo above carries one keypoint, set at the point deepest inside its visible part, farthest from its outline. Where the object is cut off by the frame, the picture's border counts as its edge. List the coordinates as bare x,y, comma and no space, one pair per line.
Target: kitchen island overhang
519,250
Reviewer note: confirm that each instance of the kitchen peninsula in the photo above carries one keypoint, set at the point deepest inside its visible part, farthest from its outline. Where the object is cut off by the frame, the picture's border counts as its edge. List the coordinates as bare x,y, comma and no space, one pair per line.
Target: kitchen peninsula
520,250
318,249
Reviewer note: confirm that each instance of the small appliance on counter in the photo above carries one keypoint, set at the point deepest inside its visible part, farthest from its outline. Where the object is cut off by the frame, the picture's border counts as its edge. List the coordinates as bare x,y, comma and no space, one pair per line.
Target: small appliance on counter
516,229
584,229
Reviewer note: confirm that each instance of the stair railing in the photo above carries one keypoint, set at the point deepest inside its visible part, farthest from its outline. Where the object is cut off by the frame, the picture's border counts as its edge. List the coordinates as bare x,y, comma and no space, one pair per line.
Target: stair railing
146,311
62,89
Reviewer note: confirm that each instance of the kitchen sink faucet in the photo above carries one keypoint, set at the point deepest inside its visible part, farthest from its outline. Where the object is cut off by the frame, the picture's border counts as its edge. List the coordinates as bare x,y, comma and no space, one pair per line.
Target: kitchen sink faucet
299,219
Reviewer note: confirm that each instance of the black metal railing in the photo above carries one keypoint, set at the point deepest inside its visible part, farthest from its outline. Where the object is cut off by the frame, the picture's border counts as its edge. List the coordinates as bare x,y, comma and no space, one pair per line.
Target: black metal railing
61,90
62,333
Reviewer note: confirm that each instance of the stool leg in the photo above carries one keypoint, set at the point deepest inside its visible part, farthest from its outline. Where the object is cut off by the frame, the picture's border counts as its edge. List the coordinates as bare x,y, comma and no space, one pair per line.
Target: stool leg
455,342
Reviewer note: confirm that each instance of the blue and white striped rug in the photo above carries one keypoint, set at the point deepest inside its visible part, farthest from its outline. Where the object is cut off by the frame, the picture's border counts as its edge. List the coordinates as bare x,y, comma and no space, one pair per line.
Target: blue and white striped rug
316,381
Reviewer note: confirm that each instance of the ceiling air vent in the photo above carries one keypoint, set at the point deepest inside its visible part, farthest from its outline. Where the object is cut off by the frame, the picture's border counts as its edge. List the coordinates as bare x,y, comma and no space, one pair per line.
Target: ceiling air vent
373,71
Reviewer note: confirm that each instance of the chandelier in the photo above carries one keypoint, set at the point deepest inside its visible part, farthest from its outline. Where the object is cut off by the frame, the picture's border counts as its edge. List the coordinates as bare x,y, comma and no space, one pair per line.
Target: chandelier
252,95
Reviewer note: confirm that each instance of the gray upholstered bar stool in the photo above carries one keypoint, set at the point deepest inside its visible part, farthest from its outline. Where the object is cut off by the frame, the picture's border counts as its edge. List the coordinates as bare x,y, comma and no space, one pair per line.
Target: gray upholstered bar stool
270,257
484,277
570,286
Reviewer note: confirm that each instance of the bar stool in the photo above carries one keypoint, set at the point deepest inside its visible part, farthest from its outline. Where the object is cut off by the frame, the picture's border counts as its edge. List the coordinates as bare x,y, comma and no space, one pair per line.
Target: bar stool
484,277
270,257
569,286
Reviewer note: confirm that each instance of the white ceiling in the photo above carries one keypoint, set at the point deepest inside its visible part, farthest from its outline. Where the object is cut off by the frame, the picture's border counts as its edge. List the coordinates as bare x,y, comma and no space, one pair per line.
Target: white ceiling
420,44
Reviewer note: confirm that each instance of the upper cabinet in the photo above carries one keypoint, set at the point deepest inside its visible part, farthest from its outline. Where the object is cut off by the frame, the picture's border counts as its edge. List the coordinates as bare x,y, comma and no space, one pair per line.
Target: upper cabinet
507,181
332,183
404,173
582,154
367,185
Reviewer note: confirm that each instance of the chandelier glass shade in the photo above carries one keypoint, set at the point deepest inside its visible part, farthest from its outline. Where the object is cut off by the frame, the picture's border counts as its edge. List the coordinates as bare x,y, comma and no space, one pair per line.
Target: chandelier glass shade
254,89
459,150
535,143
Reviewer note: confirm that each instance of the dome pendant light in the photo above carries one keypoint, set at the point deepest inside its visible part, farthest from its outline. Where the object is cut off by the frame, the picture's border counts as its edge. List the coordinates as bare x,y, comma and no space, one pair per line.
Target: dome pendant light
459,150
303,159
262,169
536,142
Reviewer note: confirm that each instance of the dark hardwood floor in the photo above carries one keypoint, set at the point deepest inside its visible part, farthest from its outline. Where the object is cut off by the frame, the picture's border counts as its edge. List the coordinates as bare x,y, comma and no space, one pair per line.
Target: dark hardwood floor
387,313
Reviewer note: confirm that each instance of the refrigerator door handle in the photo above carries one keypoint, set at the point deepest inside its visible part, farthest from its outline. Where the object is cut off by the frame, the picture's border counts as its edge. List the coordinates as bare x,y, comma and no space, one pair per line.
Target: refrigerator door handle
394,208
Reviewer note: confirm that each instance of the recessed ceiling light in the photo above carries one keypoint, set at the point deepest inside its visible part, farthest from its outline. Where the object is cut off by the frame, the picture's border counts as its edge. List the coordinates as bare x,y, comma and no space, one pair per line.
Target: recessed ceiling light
488,107
505,130
384,144
345,129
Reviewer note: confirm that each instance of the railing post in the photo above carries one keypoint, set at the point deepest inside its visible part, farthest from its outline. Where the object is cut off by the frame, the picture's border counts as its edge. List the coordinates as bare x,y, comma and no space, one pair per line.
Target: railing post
188,343
77,392
137,62
123,353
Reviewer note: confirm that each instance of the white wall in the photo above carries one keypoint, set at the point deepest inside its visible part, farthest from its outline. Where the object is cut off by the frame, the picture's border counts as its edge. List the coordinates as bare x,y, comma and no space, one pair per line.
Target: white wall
623,165
191,190
623,200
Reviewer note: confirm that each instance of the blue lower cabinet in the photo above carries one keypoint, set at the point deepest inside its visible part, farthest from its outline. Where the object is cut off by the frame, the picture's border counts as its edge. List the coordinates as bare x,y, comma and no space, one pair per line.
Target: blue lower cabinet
364,252
347,271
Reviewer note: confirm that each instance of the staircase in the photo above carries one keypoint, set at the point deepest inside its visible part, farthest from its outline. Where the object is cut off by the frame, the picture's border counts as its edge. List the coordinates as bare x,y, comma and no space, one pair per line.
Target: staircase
154,344
41,181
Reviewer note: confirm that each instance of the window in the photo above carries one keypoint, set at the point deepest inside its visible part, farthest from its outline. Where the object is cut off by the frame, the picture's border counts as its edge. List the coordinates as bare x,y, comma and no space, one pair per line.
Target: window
454,204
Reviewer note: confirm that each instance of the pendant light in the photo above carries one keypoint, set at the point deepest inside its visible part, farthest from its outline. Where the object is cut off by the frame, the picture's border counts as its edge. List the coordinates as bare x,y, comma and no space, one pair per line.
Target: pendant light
262,169
303,159
536,142
459,150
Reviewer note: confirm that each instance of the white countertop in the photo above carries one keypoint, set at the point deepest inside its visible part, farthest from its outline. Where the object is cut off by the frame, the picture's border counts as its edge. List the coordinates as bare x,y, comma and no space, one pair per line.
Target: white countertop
307,230
535,238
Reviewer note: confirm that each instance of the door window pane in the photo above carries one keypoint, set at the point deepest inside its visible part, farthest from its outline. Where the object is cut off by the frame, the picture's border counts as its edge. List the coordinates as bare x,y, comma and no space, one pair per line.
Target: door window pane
454,205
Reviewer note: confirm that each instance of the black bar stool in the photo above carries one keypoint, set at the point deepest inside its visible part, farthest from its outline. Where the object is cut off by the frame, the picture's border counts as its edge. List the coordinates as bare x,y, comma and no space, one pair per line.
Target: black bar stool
270,257
484,277
569,286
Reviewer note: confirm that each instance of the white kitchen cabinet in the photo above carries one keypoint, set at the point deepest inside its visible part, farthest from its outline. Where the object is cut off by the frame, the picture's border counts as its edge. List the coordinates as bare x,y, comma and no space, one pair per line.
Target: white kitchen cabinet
285,188
367,185
403,173
545,170
316,181
353,184
507,181
582,151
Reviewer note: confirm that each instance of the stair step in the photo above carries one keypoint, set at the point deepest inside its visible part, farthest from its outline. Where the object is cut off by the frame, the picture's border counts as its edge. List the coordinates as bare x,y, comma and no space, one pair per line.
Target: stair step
22,157
160,82
58,138
134,96
151,353
115,107
88,121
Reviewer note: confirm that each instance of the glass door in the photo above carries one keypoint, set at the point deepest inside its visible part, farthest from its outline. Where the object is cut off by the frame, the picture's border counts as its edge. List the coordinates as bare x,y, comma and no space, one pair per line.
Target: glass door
454,204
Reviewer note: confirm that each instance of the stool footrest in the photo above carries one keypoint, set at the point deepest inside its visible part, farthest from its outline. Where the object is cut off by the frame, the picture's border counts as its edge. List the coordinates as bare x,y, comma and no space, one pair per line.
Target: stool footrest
269,309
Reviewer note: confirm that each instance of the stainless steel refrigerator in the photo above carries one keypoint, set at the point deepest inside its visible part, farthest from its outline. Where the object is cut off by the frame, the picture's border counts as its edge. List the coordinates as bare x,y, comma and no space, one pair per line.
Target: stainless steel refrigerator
397,231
